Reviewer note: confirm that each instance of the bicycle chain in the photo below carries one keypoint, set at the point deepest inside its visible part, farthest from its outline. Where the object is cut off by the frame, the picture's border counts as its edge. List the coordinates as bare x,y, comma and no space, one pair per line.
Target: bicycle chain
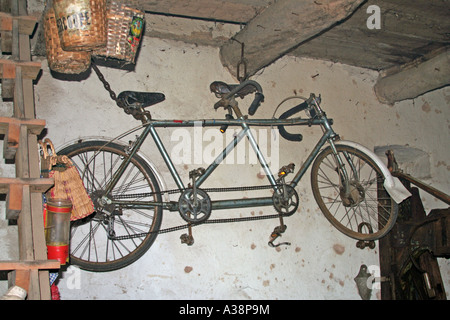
209,221
173,191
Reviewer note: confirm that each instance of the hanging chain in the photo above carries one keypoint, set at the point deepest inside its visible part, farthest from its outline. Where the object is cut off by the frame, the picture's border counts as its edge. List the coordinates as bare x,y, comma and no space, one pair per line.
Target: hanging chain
107,86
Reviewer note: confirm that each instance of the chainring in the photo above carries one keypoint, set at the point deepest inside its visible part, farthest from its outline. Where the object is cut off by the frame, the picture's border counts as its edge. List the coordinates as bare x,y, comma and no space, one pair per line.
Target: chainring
194,208
285,200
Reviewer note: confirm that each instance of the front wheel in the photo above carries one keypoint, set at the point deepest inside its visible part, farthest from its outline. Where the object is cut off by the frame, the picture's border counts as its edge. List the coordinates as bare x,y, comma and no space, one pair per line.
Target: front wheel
360,207
113,237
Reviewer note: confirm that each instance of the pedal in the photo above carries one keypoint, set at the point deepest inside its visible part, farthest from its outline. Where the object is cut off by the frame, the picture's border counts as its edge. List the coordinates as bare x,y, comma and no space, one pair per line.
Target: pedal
277,233
365,243
187,239
362,244
285,170
193,174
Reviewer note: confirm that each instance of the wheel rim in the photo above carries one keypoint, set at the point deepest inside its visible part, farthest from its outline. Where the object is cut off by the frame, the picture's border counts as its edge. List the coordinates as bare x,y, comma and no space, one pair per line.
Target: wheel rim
94,244
366,202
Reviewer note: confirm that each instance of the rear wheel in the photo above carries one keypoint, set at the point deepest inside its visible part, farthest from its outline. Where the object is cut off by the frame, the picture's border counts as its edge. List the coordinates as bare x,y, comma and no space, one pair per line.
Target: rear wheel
112,237
364,210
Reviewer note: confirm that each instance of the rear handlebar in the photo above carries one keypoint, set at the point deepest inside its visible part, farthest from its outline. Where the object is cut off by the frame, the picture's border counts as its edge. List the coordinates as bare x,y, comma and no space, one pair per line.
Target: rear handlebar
229,91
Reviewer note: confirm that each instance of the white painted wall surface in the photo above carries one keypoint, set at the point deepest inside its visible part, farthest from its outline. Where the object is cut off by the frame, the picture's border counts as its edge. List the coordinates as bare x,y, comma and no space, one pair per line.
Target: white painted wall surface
233,261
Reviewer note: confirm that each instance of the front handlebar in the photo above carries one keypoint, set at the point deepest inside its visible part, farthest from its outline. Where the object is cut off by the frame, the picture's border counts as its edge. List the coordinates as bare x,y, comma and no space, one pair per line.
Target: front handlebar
292,136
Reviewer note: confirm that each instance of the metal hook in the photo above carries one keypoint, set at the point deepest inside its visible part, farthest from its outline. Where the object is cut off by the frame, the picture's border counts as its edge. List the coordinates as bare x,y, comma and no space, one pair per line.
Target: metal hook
243,62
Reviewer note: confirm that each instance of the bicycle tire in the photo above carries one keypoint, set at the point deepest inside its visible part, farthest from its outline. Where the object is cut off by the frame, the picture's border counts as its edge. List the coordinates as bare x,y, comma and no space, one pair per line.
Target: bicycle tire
368,202
91,248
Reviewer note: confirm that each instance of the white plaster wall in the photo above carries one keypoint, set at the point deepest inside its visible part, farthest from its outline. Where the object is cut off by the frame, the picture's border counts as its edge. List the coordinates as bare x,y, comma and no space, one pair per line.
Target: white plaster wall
233,261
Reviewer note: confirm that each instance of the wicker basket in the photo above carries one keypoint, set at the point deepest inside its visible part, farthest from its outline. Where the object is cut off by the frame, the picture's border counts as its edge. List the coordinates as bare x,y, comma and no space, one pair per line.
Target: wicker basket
124,32
81,24
70,62
68,183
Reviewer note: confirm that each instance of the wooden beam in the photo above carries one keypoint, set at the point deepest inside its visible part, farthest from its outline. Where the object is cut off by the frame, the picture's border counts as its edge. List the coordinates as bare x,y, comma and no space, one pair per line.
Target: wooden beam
408,31
280,28
414,79
231,10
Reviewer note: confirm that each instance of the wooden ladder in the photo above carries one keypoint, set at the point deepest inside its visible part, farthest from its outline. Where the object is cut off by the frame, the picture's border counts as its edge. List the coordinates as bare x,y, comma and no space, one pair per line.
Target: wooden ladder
24,192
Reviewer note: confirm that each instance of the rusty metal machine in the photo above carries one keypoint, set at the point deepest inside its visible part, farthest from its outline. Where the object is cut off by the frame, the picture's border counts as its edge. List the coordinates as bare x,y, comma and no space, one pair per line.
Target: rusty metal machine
408,254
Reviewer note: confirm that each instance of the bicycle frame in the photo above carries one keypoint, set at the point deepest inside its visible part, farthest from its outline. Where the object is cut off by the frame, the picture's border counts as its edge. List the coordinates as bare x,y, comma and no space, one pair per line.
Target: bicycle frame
150,128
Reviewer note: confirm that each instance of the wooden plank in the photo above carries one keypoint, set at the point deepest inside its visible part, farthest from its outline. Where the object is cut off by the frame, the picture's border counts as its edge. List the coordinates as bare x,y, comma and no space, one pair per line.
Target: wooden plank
280,28
408,31
30,69
35,126
22,279
431,190
26,23
14,201
15,188
240,11
11,128
37,185
29,264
